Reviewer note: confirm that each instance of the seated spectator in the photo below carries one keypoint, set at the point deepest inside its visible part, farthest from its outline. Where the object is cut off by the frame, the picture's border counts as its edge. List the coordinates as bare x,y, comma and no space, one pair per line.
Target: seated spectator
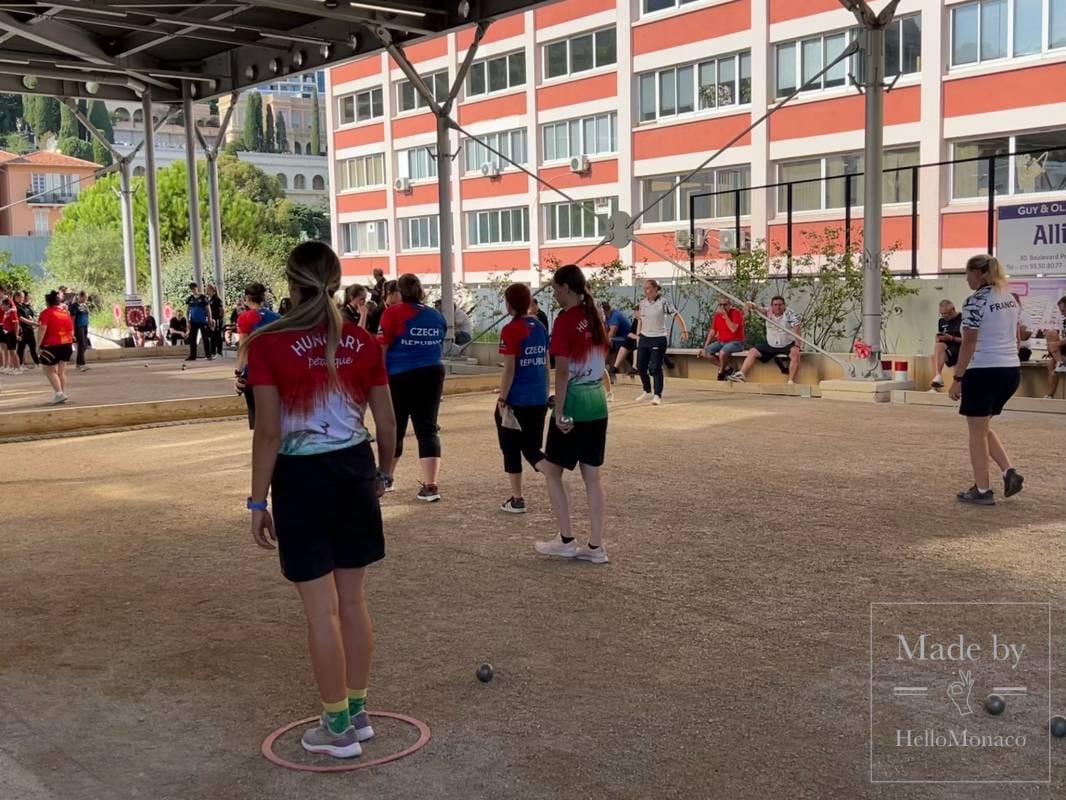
179,328
464,328
948,341
1024,334
147,331
1056,350
725,337
618,326
230,330
778,342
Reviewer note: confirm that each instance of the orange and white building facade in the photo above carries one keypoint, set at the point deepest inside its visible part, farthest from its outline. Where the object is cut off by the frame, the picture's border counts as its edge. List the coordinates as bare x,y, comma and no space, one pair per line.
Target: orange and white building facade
642,91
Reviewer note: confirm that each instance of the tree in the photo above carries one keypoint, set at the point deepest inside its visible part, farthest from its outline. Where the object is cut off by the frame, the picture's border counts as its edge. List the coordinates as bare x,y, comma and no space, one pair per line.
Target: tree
69,127
282,135
100,154
212,107
243,264
90,257
41,113
316,123
253,122
101,120
14,276
234,147
17,143
76,148
269,139
10,112
250,181
83,109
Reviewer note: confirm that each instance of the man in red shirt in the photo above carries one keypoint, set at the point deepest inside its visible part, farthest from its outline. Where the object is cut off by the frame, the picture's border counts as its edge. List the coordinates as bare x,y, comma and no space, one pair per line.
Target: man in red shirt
725,336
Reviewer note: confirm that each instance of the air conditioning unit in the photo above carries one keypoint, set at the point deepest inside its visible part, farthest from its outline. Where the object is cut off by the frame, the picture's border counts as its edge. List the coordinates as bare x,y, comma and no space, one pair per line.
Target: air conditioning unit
601,205
490,169
371,227
727,241
683,239
580,164
403,185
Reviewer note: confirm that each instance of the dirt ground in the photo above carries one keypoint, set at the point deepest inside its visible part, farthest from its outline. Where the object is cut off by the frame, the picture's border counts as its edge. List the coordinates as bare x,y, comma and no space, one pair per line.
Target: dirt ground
147,646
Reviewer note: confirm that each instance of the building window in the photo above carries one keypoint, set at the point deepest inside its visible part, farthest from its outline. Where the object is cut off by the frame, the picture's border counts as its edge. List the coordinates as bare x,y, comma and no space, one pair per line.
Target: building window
588,136
283,180
715,83
420,233
318,183
498,226
675,203
418,164
799,62
1039,167
297,149
361,172
585,219
651,6
409,99
988,30
496,74
120,114
38,182
819,183
580,53
362,106
299,183
41,222
510,143
364,237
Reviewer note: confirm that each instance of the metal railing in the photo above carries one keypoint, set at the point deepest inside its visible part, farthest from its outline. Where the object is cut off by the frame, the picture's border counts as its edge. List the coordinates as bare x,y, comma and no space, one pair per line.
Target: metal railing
53,197
991,161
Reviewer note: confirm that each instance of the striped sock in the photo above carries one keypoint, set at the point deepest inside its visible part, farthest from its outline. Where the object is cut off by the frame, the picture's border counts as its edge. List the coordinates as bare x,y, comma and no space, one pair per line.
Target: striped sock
356,701
338,720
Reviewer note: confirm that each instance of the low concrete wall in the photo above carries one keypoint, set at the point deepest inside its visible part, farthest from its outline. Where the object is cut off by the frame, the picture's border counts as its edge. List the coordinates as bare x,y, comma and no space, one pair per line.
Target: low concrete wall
134,353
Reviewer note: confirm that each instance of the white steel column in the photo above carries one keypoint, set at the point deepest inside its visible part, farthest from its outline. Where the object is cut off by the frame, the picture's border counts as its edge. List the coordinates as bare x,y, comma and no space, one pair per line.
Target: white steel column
933,188
761,207
193,182
627,10
153,208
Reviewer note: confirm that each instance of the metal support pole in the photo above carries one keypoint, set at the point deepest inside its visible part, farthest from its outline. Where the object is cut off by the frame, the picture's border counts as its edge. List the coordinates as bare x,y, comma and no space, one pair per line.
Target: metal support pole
195,239
874,73
788,228
153,209
444,200
736,220
215,218
129,258
692,232
914,221
991,204
847,212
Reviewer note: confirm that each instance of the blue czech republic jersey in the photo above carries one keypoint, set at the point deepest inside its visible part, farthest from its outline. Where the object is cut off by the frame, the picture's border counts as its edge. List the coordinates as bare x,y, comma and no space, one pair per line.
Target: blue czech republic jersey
527,340
414,336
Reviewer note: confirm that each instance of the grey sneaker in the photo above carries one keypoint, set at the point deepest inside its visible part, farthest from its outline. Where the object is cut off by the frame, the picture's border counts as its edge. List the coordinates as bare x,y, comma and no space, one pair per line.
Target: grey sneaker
429,492
363,730
514,505
320,739
977,498
596,555
1012,483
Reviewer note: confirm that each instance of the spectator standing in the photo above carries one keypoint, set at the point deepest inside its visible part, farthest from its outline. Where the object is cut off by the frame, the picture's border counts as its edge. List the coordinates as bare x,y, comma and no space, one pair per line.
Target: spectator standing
11,332
79,312
199,321
377,291
355,308
27,322
218,315
653,339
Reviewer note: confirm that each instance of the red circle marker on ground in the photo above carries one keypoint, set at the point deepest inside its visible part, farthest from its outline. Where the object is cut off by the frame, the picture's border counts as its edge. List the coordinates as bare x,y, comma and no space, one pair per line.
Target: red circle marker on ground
348,765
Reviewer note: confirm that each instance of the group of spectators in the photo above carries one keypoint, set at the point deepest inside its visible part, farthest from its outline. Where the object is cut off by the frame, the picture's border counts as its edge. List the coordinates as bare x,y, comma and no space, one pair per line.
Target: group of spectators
22,328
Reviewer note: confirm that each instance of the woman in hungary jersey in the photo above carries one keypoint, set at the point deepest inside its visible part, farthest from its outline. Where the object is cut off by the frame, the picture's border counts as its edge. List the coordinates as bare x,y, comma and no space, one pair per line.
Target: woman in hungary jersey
313,376
577,433
412,334
987,374
523,397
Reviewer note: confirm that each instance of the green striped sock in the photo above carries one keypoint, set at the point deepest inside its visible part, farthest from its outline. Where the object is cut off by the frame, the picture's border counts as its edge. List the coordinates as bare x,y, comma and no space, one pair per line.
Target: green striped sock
338,720
356,701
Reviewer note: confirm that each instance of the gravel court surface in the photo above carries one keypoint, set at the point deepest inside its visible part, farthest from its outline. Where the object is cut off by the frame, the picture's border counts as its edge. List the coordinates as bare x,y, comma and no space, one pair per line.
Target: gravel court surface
149,646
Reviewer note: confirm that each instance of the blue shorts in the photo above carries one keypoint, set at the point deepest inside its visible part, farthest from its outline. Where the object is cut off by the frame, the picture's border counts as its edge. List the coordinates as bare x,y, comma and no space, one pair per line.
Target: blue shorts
729,348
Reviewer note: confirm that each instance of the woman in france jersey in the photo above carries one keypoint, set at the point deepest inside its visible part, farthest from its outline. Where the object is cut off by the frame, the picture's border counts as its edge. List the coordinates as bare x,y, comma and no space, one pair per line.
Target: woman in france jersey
577,433
313,376
413,336
987,374
523,392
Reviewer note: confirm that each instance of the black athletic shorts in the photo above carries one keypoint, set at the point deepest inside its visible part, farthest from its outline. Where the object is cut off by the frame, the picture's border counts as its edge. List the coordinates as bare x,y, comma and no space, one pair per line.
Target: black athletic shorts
585,444
326,512
952,354
986,390
767,352
11,339
52,354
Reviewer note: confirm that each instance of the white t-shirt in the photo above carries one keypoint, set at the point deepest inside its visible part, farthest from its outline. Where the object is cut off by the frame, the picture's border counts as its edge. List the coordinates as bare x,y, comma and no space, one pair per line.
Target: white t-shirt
993,313
775,337
653,314
462,322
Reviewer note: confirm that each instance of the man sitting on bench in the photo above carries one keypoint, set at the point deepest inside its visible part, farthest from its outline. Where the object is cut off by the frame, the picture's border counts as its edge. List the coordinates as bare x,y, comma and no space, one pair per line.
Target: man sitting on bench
778,342
725,336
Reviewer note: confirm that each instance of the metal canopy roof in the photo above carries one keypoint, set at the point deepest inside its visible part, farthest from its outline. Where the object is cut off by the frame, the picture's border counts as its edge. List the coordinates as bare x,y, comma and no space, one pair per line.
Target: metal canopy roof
115,49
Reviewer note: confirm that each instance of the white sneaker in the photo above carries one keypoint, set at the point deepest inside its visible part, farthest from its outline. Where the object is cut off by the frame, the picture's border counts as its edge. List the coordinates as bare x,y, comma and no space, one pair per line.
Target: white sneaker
643,396
557,547
59,398
937,382
1049,397
656,400
610,397
595,556
1061,368
736,377
790,383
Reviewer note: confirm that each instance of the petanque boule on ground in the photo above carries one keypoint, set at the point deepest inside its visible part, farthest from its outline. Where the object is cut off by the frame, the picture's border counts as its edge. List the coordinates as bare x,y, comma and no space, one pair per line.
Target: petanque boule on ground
994,705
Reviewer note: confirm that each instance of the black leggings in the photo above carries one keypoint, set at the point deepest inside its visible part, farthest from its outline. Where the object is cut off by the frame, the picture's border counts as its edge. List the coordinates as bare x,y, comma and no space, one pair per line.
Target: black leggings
526,442
29,339
81,335
650,353
416,396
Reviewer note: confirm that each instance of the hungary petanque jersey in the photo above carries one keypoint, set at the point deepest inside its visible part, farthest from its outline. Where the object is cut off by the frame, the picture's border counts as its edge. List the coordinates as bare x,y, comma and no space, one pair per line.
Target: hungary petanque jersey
316,416
572,339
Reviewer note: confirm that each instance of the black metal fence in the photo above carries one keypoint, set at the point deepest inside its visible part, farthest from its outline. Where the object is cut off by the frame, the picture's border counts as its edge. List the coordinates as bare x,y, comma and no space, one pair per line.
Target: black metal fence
785,189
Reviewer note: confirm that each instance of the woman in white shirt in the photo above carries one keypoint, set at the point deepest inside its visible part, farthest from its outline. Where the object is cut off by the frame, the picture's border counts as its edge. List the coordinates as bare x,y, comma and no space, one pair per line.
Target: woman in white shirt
987,374
653,339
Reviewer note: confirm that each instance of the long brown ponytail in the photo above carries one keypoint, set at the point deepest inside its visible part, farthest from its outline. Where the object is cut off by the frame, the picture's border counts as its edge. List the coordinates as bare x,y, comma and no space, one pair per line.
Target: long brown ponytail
572,277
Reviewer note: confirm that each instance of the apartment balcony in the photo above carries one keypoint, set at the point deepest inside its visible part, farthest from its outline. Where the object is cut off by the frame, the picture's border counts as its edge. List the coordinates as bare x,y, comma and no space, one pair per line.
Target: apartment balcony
55,197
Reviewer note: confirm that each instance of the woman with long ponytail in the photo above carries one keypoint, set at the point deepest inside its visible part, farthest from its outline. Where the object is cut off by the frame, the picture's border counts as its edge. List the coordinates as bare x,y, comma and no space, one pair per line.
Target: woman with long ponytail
313,376
987,374
577,433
